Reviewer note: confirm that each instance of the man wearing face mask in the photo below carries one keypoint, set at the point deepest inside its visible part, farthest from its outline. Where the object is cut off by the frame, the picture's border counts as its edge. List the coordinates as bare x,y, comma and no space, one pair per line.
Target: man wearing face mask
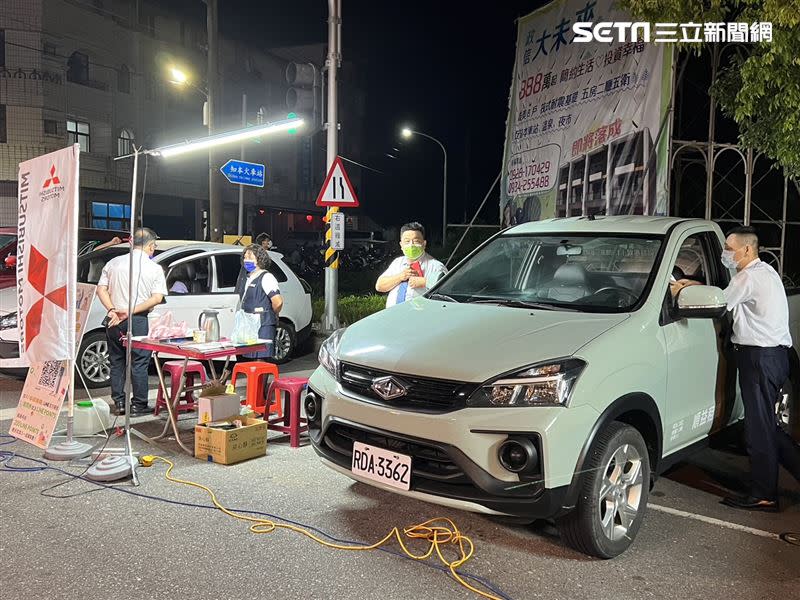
149,289
413,273
761,337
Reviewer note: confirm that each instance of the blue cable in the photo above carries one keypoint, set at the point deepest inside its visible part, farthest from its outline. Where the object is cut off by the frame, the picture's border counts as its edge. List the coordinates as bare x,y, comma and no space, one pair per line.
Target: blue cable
6,456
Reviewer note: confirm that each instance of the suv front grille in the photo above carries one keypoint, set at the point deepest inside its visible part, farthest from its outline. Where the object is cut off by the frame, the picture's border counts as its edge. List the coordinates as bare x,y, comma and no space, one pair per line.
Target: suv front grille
422,393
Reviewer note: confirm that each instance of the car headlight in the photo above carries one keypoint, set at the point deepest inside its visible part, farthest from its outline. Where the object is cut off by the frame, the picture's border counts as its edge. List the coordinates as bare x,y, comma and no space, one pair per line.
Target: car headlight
329,353
8,321
547,384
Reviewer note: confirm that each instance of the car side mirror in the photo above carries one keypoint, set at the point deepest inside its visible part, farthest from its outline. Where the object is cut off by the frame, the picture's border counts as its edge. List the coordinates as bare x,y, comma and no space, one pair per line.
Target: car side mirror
701,302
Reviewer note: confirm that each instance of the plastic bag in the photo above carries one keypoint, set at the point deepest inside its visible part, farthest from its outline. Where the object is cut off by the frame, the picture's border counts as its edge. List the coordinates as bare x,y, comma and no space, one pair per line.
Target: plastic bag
160,326
245,327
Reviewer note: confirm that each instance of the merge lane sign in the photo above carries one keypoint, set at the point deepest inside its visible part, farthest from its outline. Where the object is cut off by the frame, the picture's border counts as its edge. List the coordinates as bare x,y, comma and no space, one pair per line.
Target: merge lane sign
244,173
337,189
337,231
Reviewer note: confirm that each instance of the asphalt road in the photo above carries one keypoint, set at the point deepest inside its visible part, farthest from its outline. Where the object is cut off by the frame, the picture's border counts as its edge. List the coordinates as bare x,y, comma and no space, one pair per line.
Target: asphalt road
79,540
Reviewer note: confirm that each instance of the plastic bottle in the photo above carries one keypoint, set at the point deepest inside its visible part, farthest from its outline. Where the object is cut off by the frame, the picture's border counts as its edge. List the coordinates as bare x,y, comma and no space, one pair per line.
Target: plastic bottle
91,417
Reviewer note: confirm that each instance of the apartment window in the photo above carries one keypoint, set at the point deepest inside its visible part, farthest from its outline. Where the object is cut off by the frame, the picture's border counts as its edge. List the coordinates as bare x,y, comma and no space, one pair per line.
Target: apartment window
78,67
3,132
78,133
50,127
124,80
111,216
125,142
2,47
50,48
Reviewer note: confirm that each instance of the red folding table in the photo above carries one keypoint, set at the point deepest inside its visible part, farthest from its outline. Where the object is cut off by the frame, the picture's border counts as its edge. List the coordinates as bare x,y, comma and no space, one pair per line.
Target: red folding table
187,352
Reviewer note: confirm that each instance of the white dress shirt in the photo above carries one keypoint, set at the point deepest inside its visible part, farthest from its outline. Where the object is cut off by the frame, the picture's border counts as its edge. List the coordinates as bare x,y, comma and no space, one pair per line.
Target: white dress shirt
148,279
432,270
760,309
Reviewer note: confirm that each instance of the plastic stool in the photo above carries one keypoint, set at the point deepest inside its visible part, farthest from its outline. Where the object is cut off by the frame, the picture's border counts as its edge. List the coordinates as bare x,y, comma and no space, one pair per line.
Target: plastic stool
293,423
174,368
255,373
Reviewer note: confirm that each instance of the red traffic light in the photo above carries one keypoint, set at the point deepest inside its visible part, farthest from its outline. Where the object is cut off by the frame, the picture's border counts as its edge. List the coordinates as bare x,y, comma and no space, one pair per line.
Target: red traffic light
261,211
309,218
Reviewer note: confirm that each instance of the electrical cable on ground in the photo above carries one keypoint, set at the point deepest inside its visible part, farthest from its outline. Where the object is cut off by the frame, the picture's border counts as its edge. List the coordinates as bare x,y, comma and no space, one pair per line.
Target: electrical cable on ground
435,534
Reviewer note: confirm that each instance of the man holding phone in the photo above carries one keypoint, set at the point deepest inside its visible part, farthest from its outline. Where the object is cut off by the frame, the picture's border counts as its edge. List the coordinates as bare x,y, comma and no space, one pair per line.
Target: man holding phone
413,273
149,289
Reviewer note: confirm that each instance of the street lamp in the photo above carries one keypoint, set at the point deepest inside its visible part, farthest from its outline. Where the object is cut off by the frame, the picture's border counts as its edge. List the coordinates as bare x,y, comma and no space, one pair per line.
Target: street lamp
110,469
407,133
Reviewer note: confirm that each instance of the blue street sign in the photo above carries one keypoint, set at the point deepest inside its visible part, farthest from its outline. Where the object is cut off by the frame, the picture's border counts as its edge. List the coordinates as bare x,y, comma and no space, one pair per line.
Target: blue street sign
244,173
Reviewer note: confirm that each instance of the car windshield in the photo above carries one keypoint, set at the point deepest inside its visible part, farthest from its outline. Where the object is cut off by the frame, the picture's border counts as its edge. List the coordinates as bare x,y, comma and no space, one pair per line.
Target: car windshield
589,273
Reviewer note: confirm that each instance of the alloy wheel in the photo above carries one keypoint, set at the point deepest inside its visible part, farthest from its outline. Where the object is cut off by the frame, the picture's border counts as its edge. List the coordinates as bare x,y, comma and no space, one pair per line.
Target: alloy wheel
95,363
620,492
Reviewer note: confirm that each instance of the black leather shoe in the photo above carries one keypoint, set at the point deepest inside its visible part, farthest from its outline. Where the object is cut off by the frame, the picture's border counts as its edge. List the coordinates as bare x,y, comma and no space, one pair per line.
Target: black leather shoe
750,503
137,411
119,411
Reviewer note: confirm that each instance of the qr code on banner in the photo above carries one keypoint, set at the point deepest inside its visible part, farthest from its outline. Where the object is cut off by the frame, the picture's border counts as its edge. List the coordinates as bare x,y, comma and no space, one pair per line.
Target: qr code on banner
51,374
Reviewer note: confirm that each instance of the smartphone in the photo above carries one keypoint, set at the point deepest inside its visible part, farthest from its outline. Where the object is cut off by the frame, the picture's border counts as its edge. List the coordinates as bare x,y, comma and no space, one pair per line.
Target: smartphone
106,321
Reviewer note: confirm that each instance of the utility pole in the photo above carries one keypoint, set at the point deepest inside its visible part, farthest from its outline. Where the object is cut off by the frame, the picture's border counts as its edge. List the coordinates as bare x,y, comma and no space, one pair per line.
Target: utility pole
330,321
214,198
240,227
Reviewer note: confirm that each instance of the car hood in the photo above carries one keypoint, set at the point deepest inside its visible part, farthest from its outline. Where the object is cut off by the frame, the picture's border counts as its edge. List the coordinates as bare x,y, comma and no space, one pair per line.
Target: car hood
467,342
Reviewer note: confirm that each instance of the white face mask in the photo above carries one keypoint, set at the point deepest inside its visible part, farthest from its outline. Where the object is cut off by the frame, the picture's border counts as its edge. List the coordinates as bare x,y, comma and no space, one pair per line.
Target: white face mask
728,259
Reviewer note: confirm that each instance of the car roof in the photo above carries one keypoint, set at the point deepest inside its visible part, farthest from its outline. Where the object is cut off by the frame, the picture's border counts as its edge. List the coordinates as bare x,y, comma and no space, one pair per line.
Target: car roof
206,246
623,224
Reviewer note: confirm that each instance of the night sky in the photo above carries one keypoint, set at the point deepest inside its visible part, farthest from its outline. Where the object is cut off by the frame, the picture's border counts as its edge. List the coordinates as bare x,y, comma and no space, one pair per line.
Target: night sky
439,66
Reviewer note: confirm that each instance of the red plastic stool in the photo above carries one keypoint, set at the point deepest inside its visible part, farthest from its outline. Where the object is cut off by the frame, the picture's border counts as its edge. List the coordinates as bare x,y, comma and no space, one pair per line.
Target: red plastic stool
174,368
255,373
293,423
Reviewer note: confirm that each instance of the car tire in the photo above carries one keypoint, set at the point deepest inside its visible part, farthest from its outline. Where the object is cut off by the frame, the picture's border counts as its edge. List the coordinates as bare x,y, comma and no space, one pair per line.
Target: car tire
786,409
93,361
613,494
285,342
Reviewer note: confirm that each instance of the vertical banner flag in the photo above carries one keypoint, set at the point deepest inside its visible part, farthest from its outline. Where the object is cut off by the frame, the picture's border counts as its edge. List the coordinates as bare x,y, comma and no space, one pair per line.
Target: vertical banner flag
46,276
584,120
46,385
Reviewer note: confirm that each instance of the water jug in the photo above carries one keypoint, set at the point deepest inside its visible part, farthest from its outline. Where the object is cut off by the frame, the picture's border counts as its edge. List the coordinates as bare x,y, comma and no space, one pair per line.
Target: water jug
91,417
209,323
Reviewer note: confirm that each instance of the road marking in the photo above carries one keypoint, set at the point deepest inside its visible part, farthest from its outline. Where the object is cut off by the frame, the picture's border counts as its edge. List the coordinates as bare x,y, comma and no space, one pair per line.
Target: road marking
713,521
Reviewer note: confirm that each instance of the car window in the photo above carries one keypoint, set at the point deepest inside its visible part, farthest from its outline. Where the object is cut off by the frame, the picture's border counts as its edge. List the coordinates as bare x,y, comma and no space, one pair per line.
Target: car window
228,268
692,262
90,266
190,278
577,272
277,272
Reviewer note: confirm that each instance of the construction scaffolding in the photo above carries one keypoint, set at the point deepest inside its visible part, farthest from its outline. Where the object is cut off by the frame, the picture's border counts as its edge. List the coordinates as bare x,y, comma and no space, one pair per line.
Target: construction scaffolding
713,177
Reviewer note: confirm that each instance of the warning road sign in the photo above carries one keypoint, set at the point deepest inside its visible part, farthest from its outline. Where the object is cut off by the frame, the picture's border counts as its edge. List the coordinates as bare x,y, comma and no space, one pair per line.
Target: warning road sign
337,189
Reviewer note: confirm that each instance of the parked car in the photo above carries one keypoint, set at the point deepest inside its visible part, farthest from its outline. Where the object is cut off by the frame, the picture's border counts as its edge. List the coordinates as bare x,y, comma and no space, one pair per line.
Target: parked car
208,270
550,375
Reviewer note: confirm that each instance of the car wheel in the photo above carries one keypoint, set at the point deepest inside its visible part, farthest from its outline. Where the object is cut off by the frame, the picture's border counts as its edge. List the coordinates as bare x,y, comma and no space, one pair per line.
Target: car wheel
786,410
93,360
613,494
285,340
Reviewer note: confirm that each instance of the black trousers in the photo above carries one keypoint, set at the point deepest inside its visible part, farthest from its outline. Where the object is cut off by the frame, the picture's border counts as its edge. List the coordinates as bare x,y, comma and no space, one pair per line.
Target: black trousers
762,372
140,359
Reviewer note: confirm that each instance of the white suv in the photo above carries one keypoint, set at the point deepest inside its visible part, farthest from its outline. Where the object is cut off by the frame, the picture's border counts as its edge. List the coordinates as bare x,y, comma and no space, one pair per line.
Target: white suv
208,270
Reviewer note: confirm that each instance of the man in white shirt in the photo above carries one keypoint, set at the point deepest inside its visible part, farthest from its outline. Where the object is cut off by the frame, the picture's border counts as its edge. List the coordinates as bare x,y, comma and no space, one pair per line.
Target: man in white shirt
412,274
761,337
149,288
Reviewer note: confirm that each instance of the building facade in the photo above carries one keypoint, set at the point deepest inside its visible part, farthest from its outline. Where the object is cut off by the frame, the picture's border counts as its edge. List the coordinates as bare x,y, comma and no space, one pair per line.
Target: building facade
96,73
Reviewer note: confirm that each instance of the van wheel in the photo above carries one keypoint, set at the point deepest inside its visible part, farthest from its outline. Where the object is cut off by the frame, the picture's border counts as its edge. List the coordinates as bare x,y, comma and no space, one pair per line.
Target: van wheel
613,494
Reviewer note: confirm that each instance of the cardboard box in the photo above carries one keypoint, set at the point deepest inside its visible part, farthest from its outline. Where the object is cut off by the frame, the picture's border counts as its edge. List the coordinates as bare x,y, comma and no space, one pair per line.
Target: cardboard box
218,408
228,446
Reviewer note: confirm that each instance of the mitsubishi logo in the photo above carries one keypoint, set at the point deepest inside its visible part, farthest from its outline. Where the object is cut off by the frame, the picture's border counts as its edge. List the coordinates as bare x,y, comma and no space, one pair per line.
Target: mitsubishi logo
388,388
53,178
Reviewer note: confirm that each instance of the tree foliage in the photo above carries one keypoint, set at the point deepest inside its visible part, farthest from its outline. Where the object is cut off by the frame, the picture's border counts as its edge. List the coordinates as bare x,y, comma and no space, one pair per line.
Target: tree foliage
758,85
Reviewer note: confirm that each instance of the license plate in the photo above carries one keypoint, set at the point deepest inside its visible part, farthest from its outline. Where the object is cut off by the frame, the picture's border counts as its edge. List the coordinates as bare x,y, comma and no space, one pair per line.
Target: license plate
382,465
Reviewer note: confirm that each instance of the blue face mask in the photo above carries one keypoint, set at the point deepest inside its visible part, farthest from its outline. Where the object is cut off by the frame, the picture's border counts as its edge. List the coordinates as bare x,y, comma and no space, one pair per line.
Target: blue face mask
249,266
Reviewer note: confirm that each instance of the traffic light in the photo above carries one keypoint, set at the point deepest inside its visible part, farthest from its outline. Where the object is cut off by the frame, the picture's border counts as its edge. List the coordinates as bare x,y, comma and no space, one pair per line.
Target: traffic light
302,97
